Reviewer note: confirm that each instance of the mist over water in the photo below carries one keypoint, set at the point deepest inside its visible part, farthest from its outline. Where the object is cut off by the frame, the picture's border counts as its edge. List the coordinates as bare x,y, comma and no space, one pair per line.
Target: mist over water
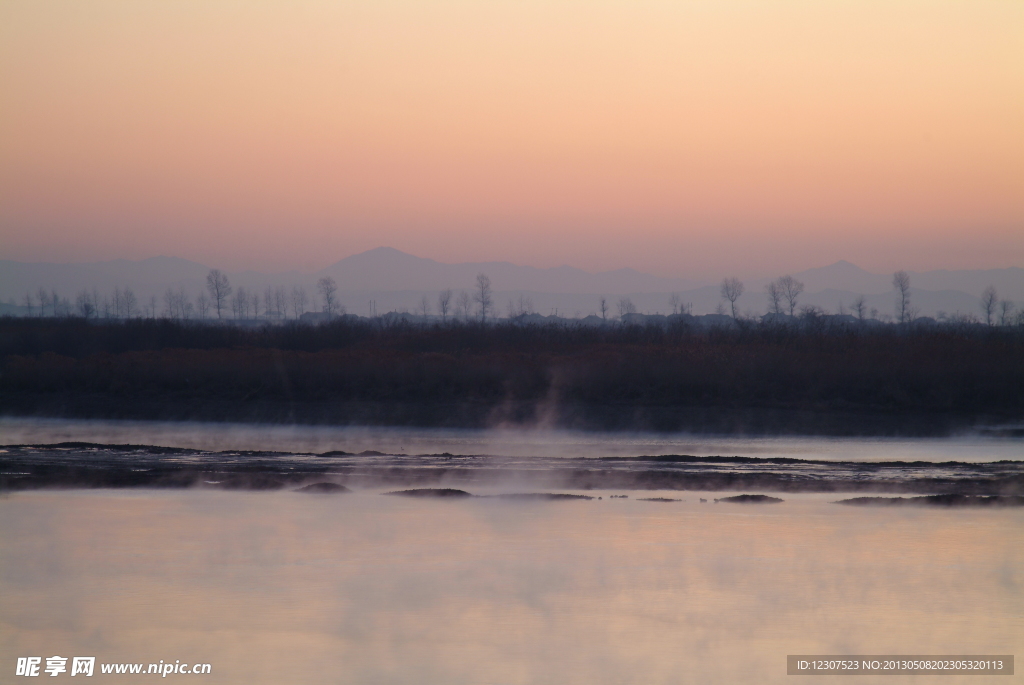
511,442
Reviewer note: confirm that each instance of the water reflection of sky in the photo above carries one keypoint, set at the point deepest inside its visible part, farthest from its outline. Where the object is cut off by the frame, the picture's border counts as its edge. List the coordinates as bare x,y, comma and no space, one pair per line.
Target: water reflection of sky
288,588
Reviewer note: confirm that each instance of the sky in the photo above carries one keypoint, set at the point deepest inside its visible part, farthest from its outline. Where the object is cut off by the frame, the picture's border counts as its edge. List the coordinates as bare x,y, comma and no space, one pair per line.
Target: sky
678,138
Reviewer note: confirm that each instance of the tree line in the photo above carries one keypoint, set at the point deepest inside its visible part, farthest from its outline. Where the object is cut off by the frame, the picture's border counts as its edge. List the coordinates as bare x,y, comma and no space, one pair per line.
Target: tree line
352,370
221,300
783,295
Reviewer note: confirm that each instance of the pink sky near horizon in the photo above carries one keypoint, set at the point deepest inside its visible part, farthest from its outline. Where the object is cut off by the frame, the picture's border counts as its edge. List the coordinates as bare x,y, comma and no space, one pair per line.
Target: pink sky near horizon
678,138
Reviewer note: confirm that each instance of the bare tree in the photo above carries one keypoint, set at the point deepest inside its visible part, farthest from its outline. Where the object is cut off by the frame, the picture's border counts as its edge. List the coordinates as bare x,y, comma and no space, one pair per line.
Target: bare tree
858,307
86,306
254,304
464,304
791,289
29,303
988,303
603,307
328,290
901,283
240,303
299,301
54,304
217,284
129,303
732,288
444,302
520,308
281,301
175,304
125,303
483,295
424,307
268,303
118,303
170,304
626,306
152,306
1005,312
674,301
44,300
202,305
774,292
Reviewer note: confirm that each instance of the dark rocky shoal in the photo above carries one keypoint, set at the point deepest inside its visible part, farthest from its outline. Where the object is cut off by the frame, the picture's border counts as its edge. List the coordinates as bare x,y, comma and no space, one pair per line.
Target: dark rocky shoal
750,499
937,501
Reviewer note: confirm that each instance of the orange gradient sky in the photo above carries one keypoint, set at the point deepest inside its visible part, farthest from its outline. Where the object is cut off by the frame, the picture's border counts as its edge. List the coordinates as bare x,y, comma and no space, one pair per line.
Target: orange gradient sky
680,138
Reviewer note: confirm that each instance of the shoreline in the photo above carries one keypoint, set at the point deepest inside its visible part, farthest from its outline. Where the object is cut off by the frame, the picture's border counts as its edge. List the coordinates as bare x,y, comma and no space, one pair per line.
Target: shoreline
91,465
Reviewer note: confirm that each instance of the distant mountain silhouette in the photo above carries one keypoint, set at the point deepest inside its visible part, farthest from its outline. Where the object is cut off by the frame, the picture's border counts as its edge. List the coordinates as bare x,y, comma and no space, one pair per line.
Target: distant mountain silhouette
845,276
386,268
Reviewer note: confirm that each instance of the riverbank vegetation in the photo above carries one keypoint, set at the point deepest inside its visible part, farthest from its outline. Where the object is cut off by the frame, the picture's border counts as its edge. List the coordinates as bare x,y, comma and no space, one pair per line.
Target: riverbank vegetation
830,376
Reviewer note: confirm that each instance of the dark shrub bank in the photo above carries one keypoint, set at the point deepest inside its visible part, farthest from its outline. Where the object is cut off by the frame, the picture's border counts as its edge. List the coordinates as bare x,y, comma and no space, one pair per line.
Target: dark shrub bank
754,378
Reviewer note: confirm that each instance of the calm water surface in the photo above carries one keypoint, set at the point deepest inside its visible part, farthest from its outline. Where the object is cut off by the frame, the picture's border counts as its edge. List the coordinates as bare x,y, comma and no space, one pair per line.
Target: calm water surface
359,588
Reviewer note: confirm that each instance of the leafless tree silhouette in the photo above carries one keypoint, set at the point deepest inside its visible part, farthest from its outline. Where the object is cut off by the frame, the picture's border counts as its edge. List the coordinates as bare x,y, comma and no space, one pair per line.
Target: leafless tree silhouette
1005,310
901,282
858,307
626,306
604,308
202,305
520,308
129,303
791,289
774,293
299,301
124,303
328,292
44,300
240,303
85,305
483,295
444,303
281,301
988,303
220,289
465,305
732,288
269,310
